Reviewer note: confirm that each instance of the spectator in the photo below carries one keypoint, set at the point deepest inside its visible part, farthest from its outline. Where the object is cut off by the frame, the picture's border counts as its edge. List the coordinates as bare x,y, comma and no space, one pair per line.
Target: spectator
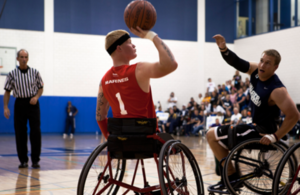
236,117
70,121
184,111
169,124
214,98
218,110
244,116
189,106
195,106
172,100
227,105
247,82
159,110
192,100
200,98
224,88
227,118
241,99
210,86
228,86
176,110
199,125
233,96
220,90
217,124
160,125
206,98
194,120
237,79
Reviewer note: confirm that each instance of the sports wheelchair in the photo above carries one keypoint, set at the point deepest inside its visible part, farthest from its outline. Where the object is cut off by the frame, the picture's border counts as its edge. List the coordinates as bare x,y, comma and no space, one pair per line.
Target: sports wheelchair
255,164
285,183
135,140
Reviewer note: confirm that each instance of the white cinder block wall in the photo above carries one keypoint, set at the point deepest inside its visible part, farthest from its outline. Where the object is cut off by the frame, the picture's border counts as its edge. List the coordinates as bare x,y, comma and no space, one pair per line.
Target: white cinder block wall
73,64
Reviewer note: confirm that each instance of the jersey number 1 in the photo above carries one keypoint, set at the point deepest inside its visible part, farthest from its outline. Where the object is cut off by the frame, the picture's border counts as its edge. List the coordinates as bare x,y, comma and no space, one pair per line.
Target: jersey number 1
122,107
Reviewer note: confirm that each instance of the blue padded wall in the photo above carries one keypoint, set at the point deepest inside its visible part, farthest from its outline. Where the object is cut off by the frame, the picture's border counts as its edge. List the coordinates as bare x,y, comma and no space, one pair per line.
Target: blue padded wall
176,19
220,19
53,114
23,15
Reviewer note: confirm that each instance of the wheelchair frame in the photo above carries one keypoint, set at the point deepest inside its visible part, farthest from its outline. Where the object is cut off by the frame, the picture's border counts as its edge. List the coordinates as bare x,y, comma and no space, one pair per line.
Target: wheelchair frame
261,168
168,183
291,181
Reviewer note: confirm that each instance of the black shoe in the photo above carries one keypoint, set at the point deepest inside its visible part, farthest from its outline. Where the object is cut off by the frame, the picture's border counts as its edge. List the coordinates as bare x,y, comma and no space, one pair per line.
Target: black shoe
23,165
35,165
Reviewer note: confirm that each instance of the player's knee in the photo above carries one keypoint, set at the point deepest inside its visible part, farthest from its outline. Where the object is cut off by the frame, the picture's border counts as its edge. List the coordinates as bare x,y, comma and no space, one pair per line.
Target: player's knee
210,135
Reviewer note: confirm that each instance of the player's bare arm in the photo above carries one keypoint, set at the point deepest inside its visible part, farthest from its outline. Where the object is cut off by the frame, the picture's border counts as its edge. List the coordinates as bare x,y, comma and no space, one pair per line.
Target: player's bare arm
232,59
282,99
166,64
102,105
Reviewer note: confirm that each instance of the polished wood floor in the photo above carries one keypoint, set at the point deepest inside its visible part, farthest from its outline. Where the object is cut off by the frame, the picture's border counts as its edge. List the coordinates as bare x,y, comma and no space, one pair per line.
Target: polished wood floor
62,161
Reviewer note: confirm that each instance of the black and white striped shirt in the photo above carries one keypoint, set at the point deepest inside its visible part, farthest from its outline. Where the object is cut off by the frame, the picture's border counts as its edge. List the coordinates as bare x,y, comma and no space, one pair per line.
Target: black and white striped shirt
24,83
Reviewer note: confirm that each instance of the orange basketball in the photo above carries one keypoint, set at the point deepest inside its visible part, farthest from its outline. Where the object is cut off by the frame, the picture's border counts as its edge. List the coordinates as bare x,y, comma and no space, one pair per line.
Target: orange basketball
140,13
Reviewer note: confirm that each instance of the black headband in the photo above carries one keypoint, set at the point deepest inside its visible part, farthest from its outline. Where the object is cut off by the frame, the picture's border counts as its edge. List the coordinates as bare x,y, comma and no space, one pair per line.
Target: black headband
120,41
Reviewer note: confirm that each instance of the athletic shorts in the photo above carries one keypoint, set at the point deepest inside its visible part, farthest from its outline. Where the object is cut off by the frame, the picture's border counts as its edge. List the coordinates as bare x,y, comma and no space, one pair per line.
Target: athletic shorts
244,132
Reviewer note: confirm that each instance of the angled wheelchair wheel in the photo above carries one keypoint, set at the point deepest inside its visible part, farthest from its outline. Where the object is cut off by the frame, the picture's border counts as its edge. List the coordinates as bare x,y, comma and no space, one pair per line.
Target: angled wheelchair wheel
256,165
285,183
178,170
94,180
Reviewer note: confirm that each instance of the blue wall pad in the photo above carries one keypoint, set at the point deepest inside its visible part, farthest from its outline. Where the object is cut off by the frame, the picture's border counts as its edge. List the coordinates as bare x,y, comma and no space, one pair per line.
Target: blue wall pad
23,15
220,19
176,19
53,114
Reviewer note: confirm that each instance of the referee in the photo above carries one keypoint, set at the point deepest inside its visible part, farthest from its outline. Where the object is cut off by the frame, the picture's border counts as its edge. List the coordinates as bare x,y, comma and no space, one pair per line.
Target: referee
27,86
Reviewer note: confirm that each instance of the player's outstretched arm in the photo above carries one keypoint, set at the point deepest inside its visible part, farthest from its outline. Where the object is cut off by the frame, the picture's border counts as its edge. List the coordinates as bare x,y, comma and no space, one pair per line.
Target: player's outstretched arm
232,59
101,112
167,62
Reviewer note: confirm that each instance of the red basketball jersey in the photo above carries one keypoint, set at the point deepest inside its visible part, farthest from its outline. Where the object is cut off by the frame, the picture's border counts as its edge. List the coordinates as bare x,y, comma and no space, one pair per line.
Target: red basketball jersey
125,96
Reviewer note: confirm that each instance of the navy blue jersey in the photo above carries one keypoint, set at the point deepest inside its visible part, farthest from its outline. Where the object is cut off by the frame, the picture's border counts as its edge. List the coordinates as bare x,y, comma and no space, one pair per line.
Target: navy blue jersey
263,115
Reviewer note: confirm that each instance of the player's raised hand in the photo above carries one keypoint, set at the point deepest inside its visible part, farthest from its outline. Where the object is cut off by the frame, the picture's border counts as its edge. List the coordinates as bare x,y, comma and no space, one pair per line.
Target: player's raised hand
139,32
221,42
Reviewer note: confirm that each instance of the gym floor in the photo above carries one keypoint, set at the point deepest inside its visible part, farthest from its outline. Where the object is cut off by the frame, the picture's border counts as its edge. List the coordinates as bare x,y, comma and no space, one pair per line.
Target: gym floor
62,161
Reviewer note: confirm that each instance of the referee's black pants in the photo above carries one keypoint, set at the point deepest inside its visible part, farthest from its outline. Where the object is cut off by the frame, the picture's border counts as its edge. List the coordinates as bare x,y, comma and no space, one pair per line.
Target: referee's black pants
24,111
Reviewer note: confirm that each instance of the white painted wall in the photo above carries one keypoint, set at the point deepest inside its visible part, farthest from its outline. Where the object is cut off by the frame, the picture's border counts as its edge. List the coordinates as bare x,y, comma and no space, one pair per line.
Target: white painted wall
73,64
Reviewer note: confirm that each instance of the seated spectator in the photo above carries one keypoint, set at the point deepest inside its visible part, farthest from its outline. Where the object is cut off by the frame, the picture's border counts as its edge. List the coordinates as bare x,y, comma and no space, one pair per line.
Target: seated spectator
206,98
224,88
199,125
184,111
227,118
218,110
160,125
189,106
213,99
194,120
236,117
217,124
223,95
159,110
200,98
247,82
176,110
172,100
220,90
207,110
244,117
192,101
169,124
226,104
237,79
241,99
195,106
233,96
228,86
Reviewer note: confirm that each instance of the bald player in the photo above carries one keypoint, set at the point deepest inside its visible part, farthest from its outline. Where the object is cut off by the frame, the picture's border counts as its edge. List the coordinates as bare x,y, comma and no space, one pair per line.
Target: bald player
126,88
